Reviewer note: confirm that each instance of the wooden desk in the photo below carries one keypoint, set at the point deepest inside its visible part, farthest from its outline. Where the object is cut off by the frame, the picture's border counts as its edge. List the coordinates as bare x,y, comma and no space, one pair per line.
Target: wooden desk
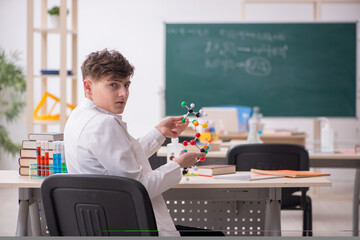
269,191
266,138
318,160
269,138
328,160
237,207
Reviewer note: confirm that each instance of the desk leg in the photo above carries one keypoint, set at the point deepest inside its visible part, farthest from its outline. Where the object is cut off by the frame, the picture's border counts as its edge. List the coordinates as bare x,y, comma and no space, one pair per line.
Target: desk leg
22,221
35,219
356,203
273,214
21,227
28,222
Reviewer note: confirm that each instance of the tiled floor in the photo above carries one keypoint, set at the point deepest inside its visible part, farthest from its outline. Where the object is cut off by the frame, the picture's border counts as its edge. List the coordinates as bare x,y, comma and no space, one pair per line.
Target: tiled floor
331,215
8,211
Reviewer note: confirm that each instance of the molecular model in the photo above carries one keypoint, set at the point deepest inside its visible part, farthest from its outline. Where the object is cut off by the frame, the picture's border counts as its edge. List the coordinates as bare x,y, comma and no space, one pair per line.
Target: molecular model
204,148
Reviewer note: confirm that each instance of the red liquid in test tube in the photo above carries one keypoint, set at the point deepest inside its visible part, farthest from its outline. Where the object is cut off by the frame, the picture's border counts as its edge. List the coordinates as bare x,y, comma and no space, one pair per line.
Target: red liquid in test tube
38,157
46,159
43,158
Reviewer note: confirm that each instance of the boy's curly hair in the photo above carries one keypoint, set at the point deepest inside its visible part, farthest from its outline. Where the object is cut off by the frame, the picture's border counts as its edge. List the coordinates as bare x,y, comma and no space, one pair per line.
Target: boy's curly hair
106,63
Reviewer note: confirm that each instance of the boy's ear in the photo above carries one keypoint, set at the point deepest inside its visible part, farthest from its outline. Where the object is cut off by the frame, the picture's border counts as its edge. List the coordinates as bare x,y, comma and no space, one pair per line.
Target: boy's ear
88,84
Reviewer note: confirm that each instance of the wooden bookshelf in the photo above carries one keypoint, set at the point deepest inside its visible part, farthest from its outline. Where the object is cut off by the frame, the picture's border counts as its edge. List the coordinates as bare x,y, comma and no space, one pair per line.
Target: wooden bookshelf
44,30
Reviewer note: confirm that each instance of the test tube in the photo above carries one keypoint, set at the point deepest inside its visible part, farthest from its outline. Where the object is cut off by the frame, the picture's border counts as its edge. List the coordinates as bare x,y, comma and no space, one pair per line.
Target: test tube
38,157
42,158
55,156
46,143
63,160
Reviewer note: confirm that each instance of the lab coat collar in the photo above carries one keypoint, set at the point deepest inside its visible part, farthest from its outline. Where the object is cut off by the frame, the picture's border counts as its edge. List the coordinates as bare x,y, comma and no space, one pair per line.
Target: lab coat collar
90,104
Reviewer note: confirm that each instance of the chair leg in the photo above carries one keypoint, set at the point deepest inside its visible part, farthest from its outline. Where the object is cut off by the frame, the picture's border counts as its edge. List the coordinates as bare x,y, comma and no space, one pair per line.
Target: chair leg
307,218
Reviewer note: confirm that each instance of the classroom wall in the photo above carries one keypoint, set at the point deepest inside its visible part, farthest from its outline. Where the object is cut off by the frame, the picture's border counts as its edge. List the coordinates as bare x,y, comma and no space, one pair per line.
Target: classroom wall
136,28
13,38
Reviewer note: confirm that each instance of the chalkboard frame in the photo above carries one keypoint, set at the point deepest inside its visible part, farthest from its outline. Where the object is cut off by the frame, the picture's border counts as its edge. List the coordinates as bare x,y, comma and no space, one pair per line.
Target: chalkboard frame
172,108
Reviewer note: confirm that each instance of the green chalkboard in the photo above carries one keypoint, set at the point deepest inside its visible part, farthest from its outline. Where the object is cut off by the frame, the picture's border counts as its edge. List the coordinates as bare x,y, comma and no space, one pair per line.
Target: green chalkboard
287,69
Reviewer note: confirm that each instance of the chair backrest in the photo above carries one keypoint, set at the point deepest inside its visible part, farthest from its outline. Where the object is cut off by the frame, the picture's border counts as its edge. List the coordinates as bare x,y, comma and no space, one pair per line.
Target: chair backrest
270,156
97,205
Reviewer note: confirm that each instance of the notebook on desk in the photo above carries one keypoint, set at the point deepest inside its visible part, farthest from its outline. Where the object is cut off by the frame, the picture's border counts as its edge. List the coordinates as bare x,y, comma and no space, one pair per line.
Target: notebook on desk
245,176
225,119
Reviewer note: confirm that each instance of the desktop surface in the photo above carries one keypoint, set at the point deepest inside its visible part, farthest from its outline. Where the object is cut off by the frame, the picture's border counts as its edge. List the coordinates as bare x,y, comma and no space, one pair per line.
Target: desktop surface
11,178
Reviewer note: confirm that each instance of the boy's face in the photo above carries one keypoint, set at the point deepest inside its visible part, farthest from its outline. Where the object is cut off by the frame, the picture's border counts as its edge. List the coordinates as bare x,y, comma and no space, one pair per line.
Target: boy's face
109,93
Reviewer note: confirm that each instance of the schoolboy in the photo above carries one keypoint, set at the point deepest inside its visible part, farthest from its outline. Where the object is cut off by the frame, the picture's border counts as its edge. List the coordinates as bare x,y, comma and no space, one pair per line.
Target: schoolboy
97,141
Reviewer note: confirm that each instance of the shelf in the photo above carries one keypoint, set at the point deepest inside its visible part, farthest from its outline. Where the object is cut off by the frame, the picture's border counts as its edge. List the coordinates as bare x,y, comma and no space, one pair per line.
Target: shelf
53,30
53,76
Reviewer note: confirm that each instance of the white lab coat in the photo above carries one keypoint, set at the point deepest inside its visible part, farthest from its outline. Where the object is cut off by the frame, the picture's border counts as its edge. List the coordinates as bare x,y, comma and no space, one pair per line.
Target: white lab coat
97,142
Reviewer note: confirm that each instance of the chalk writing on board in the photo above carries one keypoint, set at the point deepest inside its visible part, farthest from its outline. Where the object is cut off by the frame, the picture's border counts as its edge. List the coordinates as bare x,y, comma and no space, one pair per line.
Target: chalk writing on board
224,48
189,31
217,48
271,51
270,37
257,66
223,53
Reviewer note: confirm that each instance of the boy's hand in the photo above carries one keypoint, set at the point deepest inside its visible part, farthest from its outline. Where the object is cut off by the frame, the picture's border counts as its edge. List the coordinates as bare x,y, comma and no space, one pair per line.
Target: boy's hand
171,127
188,159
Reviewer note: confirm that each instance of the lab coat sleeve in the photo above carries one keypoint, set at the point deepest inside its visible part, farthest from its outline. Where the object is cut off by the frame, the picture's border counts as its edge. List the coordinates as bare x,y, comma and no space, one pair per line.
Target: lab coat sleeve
152,141
113,148
162,179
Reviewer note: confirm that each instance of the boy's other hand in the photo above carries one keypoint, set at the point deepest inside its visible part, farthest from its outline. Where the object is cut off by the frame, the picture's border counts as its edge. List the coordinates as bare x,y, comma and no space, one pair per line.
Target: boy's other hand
188,159
171,127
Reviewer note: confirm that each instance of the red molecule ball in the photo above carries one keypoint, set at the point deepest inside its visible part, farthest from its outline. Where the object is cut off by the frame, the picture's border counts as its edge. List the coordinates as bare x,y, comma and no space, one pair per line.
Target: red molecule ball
192,142
202,159
197,135
185,143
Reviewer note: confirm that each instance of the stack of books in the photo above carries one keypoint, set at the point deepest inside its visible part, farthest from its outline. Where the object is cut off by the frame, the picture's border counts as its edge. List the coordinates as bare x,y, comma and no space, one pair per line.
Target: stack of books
28,150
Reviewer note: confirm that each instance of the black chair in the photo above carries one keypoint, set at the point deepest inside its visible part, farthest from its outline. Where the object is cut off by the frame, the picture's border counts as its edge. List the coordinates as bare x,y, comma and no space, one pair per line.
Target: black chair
97,205
276,156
